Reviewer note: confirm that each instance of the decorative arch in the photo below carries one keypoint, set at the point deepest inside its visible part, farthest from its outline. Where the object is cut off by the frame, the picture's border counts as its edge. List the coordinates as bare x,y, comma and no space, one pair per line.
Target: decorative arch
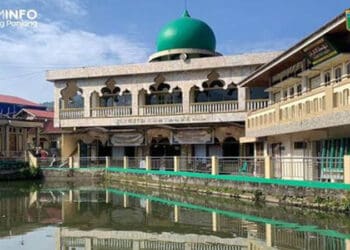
111,95
161,93
71,96
214,90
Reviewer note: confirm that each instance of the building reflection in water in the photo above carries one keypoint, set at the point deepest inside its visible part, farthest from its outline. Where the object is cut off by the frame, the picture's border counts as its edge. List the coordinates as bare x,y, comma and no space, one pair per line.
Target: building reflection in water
115,219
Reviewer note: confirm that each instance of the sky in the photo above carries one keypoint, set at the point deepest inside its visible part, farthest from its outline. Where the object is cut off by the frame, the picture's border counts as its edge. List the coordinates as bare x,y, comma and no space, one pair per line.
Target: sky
75,33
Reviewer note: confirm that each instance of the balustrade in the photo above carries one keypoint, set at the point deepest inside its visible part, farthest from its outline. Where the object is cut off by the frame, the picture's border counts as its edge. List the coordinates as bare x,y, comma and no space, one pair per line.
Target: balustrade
166,109
111,111
211,107
75,113
256,104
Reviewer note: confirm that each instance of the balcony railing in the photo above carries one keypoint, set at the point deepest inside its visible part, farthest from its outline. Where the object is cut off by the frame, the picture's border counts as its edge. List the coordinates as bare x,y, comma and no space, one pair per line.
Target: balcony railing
74,113
322,100
111,111
166,109
256,104
210,107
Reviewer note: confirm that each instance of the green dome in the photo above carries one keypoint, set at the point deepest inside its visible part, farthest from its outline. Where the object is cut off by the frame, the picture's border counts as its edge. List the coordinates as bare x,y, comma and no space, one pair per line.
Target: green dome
186,33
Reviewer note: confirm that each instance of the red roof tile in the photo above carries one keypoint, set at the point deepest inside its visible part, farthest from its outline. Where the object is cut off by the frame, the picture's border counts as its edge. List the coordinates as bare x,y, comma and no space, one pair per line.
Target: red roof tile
17,100
39,113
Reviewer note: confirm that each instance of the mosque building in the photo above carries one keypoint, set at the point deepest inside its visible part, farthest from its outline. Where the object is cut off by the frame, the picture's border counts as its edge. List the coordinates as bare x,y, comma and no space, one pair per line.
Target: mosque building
185,101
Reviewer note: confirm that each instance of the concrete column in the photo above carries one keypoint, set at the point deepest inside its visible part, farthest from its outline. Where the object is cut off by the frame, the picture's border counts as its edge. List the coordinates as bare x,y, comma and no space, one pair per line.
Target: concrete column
215,222
186,99
176,163
268,235
347,244
176,214
135,245
329,98
125,201
214,165
108,161
87,104
148,163
88,244
148,207
135,101
125,162
268,167
58,239
70,195
304,84
347,169
70,162
242,93
108,197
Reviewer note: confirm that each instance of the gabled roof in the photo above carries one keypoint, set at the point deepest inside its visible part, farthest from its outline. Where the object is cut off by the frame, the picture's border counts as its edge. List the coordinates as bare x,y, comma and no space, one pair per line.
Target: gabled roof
17,100
37,113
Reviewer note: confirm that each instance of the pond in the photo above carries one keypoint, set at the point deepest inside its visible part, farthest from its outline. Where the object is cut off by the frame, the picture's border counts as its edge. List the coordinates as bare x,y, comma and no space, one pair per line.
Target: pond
71,216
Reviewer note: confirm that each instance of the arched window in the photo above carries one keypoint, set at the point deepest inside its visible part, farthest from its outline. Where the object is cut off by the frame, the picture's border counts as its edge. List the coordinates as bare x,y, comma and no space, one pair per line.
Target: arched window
161,93
111,96
327,78
338,74
71,96
348,70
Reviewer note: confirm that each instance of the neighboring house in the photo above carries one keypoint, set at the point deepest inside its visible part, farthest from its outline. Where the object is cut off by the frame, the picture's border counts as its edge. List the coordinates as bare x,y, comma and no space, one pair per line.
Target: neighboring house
184,102
306,126
24,125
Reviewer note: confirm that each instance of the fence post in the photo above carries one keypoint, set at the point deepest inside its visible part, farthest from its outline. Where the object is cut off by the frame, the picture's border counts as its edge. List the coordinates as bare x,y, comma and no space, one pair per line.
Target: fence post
176,164
214,165
125,162
347,169
108,161
70,162
268,167
148,163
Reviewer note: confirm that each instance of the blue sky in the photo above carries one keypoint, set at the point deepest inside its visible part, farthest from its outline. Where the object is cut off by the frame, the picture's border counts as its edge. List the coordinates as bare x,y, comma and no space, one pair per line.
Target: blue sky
74,33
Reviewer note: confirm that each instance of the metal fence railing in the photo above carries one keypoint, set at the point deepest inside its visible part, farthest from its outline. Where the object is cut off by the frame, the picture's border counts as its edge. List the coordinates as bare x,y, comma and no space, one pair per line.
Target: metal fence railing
91,162
162,163
242,166
309,168
137,162
195,164
117,162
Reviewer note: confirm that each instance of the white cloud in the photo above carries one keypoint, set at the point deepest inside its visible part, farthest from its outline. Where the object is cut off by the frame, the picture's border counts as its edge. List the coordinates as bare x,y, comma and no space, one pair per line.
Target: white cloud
27,52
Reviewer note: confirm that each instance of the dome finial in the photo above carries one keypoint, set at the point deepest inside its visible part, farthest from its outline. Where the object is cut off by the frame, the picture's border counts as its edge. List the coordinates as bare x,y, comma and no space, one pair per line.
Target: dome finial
186,14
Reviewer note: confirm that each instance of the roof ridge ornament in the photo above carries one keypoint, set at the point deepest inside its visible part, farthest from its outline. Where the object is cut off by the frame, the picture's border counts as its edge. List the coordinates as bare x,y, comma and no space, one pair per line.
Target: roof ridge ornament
186,13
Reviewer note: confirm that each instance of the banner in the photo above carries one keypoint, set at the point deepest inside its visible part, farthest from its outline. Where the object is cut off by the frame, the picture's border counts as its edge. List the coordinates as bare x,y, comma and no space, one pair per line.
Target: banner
320,51
347,14
127,139
198,136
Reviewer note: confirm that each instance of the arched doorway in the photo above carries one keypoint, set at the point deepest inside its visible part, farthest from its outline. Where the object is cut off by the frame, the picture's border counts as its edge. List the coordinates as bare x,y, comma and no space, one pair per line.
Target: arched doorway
230,147
162,147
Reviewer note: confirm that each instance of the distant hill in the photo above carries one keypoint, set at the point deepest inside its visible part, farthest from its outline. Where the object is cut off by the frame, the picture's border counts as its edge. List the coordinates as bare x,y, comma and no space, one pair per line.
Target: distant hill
49,105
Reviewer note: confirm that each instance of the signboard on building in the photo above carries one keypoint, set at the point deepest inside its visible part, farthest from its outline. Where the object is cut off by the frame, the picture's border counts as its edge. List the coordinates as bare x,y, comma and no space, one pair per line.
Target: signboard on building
320,51
191,136
347,14
127,139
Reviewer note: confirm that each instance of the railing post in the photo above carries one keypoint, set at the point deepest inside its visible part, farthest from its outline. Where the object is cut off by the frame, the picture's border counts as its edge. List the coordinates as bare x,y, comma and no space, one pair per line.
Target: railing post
176,163
347,169
70,162
108,161
125,162
148,163
268,167
214,165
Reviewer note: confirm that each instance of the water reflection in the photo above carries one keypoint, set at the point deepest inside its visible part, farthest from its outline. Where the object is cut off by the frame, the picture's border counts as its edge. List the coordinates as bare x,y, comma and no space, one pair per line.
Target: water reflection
116,218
